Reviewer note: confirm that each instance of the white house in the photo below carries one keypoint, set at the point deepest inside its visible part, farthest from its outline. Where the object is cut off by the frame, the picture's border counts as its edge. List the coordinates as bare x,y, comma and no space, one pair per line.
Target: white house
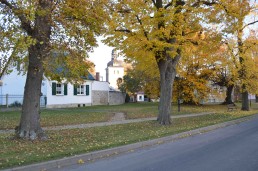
56,94
11,84
140,97
68,95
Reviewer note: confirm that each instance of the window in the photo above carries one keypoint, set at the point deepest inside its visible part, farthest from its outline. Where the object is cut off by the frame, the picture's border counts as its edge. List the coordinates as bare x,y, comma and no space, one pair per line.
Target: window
59,89
82,90
117,71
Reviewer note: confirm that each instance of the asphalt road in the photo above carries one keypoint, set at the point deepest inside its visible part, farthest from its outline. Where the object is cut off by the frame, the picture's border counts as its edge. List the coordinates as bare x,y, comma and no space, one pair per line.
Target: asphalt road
234,148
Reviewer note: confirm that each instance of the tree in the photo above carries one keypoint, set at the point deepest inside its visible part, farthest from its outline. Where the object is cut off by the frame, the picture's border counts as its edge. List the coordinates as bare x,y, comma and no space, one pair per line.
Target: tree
131,83
32,31
157,30
237,14
195,70
225,70
147,70
140,78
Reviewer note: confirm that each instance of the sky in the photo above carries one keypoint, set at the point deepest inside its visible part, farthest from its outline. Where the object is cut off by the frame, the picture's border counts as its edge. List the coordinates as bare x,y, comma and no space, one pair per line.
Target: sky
100,57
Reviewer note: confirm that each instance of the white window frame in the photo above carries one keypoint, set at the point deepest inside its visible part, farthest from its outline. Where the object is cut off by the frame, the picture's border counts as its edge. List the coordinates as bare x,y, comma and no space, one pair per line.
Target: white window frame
59,89
81,89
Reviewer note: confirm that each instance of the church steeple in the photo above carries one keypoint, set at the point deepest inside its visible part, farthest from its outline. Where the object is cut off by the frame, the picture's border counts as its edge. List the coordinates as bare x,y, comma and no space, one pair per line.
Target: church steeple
113,55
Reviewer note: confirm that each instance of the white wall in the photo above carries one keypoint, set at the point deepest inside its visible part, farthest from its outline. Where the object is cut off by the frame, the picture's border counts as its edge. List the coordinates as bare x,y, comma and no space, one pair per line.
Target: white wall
13,84
140,97
100,85
113,74
44,86
69,100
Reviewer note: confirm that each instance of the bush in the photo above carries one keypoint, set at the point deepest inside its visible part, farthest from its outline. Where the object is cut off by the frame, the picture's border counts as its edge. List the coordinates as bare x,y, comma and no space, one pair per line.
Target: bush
15,104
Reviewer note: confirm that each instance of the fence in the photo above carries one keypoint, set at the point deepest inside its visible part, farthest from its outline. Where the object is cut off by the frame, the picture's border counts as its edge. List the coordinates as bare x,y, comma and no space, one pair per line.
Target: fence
9,100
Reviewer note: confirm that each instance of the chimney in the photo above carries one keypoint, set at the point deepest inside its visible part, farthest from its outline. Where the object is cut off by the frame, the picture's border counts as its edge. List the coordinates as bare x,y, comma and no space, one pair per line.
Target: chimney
97,76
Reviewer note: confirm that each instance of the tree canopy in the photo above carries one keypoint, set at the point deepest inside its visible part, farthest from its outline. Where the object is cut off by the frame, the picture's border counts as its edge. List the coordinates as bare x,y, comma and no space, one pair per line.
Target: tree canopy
166,36
160,31
239,22
33,31
73,27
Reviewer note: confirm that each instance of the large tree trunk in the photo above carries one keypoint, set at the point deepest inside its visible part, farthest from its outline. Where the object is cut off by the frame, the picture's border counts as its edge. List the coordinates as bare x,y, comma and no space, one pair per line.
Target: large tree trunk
228,99
167,69
245,101
242,71
29,127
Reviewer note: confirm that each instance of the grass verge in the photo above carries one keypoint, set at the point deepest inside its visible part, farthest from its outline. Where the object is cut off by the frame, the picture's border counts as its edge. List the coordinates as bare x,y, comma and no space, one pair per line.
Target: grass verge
90,114
76,141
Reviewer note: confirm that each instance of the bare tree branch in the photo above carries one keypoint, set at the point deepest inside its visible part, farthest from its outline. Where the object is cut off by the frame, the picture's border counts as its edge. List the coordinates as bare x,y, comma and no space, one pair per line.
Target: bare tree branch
234,56
5,67
144,31
249,24
198,3
154,3
123,11
178,3
123,30
158,4
25,23
168,5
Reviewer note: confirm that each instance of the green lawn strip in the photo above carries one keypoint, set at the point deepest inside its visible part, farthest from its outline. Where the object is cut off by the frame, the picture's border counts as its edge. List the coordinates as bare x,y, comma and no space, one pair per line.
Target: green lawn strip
76,141
151,111
90,114
71,116
50,117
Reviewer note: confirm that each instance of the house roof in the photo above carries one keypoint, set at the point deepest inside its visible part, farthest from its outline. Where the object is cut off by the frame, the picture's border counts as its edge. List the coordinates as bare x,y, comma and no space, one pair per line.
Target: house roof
62,68
115,62
87,76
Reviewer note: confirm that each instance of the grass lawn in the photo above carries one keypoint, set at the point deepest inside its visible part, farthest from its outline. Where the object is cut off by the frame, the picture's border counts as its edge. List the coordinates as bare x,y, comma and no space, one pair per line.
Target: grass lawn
71,116
76,141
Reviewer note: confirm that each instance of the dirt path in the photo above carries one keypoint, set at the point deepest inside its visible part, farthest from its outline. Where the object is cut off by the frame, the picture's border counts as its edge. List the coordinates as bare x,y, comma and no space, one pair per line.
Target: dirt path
118,117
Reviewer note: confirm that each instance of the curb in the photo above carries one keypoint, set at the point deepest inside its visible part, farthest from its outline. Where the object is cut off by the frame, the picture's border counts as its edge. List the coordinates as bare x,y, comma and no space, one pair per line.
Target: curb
88,157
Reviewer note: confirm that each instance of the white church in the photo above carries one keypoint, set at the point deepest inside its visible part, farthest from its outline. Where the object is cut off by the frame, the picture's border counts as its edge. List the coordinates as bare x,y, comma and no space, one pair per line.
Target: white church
115,70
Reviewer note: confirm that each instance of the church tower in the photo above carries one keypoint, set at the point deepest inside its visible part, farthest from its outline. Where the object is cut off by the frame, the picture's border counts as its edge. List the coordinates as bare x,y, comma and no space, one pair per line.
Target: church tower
114,70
